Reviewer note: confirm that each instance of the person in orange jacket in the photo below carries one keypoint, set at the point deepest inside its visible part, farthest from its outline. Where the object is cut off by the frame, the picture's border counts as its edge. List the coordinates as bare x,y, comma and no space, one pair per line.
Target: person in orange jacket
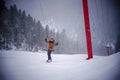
50,44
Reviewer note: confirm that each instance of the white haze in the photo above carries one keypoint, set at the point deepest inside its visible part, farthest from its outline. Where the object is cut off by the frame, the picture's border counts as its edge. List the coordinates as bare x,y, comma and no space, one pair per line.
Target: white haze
68,15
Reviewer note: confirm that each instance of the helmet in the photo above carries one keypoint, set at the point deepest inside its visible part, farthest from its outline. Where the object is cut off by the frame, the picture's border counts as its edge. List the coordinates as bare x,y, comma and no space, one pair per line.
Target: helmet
51,39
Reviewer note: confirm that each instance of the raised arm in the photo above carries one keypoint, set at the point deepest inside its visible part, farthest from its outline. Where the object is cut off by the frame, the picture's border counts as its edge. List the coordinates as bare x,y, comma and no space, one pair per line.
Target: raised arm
56,44
46,40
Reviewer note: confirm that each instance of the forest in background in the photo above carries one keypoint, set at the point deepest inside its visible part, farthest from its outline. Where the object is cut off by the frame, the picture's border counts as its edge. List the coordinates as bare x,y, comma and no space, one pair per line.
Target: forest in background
20,31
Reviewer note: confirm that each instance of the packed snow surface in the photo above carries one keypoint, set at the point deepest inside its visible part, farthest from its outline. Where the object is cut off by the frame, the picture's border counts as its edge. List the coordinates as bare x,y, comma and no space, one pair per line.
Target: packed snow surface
22,65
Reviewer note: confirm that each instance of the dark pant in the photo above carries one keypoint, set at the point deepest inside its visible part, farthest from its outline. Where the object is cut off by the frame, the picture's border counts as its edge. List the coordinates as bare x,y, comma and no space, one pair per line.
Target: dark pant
49,55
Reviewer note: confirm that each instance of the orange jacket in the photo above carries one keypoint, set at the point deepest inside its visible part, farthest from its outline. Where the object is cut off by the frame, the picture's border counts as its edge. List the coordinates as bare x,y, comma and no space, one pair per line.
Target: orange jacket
51,45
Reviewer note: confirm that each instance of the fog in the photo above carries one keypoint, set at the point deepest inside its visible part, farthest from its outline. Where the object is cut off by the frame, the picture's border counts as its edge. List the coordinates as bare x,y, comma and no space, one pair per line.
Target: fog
58,14
66,16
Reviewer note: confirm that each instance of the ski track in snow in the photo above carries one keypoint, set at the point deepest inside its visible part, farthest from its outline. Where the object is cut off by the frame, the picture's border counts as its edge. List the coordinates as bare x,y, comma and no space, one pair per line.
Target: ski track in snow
22,65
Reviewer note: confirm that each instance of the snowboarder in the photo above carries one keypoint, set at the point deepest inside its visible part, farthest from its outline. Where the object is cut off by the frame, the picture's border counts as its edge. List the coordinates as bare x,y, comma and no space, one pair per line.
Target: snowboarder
50,44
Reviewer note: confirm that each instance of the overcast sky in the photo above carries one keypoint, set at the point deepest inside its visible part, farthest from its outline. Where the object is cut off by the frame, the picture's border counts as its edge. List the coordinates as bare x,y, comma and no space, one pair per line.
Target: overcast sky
58,14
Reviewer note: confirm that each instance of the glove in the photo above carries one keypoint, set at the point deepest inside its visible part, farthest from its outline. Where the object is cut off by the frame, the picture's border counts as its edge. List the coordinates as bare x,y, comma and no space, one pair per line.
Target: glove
46,40
56,43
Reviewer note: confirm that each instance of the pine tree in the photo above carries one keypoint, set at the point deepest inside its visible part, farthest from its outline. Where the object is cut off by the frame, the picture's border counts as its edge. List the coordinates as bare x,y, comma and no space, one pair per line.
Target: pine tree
117,47
3,25
47,31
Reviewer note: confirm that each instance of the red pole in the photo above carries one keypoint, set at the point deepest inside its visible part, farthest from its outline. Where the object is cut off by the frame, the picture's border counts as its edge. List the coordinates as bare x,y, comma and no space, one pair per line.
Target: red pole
87,29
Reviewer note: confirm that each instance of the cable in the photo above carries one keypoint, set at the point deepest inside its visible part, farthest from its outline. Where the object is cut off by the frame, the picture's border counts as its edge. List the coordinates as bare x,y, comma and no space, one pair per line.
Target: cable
42,11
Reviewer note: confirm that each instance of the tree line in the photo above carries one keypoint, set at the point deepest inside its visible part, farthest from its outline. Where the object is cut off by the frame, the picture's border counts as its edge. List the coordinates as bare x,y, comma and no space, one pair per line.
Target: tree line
20,31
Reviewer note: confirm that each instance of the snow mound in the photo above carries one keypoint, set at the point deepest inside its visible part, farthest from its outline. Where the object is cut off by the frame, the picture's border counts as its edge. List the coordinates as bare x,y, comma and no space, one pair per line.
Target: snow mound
21,65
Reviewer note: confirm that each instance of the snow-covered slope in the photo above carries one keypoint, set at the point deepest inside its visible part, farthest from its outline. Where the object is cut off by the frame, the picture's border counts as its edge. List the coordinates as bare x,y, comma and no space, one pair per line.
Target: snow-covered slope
21,65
